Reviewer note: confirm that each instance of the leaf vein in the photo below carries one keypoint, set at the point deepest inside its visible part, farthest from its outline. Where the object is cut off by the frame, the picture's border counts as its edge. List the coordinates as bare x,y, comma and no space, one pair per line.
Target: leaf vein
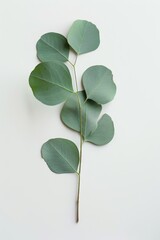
64,158
54,48
53,83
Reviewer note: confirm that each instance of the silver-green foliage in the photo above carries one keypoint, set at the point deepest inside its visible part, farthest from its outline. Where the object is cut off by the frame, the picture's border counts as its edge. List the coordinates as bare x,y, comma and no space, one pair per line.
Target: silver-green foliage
61,155
51,83
83,37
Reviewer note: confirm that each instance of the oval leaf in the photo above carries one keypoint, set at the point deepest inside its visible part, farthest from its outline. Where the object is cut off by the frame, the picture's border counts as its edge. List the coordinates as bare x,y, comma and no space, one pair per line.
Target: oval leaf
51,82
83,36
52,46
104,132
70,114
98,84
61,155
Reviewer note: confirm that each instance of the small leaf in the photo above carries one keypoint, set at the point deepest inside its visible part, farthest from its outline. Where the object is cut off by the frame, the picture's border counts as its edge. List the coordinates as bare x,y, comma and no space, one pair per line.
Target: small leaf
51,82
83,36
98,84
52,46
61,155
104,132
70,114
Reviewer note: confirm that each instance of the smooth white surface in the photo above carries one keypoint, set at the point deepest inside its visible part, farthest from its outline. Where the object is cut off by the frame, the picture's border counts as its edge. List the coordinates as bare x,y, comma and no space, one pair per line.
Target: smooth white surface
120,193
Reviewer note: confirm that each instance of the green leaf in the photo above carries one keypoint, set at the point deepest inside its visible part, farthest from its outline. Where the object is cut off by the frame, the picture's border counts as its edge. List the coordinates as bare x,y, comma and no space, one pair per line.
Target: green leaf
61,155
51,82
52,46
98,84
70,114
83,36
104,132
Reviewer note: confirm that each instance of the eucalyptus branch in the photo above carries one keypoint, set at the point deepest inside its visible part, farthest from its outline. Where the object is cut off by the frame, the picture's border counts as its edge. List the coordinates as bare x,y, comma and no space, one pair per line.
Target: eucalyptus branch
51,84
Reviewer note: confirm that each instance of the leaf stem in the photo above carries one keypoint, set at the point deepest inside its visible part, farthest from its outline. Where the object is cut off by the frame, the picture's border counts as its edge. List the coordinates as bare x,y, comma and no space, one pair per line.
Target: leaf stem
79,181
81,142
75,76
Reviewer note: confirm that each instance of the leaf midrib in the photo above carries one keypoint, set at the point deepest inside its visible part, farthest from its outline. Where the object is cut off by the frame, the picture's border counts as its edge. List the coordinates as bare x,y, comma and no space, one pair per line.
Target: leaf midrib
54,48
63,157
53,83
99,83
83,37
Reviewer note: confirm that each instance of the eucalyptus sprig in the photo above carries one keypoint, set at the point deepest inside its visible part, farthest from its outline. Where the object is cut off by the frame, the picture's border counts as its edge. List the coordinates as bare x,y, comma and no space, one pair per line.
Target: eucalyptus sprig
51,83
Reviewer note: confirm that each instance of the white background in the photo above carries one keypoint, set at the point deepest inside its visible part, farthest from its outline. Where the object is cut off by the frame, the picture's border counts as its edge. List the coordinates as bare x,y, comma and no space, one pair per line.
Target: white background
120,191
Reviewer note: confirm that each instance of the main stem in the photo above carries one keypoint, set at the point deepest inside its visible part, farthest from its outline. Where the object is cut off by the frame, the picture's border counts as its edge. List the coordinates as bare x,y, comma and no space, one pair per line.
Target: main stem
81,144
79,180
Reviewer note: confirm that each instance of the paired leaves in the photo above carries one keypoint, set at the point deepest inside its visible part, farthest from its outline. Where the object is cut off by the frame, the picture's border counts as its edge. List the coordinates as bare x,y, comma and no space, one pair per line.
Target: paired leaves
52,47
83,36
98,84
90,110
99,133
61,155
51,82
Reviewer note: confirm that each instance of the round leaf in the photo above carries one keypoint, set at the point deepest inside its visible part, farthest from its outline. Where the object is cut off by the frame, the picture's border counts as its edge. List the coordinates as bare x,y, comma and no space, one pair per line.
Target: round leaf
98,84
52,46
70,114
83,36
103,133
51,82
61,155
